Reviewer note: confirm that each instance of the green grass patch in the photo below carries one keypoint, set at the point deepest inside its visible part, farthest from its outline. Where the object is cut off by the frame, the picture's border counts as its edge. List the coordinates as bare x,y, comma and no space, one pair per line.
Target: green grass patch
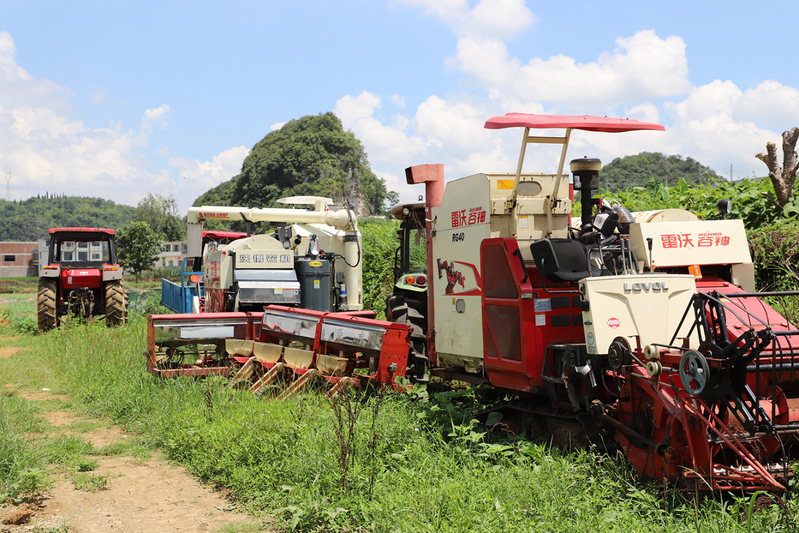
88,482
22,466
393,462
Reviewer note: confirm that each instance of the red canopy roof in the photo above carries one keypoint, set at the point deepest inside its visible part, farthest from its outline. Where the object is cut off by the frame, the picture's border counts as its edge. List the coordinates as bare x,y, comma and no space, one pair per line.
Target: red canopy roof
222,235
584,122
85,230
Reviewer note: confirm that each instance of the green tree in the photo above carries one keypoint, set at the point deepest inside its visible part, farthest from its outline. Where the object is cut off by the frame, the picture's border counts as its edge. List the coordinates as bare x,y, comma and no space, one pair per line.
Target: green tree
379,247
138,247
161,213
638,170
29,220
310,156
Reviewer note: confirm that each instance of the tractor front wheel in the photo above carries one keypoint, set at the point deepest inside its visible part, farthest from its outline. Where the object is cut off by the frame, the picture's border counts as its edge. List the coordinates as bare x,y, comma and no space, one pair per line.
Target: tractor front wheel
46,304
116,310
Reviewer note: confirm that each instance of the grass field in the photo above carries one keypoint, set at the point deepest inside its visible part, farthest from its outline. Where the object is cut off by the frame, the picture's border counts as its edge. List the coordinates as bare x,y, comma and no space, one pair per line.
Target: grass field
378,462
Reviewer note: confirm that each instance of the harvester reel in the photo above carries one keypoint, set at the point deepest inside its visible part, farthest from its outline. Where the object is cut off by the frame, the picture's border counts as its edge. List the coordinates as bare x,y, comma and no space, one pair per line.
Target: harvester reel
694,372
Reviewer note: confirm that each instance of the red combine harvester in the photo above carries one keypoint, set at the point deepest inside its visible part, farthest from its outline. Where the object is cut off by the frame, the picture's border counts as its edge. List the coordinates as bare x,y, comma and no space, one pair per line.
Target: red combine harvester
643,327
82,277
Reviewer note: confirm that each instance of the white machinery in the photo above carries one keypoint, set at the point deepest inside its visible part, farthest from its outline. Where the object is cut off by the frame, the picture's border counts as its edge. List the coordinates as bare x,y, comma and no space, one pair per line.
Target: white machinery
311,260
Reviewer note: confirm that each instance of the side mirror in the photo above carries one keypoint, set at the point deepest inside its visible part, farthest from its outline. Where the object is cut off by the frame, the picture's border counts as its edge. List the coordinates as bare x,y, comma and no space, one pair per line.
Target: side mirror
545,259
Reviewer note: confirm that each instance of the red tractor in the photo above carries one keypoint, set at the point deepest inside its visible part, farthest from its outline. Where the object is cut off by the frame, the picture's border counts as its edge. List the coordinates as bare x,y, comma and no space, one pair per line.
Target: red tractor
82,277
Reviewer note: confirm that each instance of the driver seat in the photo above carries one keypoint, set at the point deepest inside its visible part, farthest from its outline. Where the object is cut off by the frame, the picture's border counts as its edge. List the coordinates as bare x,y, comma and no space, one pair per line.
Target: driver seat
561,259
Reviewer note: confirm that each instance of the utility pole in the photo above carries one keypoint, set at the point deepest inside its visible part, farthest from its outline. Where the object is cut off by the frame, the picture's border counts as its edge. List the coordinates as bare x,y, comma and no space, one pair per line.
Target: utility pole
8,186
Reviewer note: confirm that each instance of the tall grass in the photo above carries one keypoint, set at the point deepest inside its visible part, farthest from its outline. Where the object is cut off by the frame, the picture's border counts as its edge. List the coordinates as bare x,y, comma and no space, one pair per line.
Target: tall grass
407,471
22,464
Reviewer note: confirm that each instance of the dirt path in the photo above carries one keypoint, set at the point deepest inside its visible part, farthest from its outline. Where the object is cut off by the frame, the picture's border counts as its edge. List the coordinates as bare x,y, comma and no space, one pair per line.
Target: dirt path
139,495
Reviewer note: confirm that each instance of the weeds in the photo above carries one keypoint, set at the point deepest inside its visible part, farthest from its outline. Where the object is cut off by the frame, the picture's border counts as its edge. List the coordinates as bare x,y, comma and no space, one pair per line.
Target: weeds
346,407
88,482
20,324
63,527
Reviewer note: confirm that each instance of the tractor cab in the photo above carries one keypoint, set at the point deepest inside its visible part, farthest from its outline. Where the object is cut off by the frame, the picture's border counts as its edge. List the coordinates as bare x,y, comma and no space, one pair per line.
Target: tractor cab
80,248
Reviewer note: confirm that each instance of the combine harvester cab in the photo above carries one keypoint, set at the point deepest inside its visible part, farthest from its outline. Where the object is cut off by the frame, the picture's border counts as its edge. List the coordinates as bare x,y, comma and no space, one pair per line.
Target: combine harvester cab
188,296
643,327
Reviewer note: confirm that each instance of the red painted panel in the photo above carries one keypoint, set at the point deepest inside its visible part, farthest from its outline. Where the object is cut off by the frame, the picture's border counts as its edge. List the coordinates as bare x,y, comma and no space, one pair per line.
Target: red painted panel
72,278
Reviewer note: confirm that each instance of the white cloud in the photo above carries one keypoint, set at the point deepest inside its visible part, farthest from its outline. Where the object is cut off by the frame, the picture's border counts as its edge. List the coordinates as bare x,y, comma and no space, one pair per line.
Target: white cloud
204,175
717,124
770,103
389,144
640,68
708,126
489,18
455,123
277,126
19,88
46,150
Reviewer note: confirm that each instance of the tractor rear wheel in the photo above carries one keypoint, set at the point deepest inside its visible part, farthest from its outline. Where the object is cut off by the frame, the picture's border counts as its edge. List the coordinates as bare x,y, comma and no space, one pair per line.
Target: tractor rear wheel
46,304
405,310
116,311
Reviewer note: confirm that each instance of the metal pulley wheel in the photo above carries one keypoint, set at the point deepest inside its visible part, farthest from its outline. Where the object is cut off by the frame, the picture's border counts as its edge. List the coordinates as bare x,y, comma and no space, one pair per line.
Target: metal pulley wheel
694,372
619,354
653,368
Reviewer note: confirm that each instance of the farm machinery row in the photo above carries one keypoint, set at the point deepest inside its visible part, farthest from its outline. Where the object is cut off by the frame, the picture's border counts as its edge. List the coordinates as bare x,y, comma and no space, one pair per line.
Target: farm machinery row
642,329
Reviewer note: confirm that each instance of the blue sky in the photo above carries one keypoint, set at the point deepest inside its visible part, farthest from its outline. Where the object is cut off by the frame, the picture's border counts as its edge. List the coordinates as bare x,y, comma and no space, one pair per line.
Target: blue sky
116,99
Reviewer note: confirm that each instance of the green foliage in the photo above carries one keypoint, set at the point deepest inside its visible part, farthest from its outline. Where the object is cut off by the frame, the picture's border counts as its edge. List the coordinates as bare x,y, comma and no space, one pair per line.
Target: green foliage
776,249
22,471
312,155
88,482
20,323
777,255
161,213
29,220
637,170
138,247
750,199
379,245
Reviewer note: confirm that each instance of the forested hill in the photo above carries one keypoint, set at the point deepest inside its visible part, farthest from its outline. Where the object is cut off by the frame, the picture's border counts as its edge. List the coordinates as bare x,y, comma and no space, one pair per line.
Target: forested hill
310,156
29,220
637,170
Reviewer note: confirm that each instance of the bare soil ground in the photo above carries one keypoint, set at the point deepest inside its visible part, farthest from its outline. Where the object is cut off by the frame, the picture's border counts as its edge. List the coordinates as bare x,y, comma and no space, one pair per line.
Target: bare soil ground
140,495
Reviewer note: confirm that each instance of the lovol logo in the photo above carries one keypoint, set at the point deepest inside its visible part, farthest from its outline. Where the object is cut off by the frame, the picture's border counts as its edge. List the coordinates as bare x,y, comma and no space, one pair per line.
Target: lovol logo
614,322
657,286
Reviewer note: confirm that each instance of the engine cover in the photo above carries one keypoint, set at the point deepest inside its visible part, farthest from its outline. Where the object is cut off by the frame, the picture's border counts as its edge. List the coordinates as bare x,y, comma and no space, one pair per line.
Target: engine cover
649,306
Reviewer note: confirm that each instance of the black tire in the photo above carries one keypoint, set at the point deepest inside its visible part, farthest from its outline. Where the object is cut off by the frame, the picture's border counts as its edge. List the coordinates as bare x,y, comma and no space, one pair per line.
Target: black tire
116,312
405,310
46,304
